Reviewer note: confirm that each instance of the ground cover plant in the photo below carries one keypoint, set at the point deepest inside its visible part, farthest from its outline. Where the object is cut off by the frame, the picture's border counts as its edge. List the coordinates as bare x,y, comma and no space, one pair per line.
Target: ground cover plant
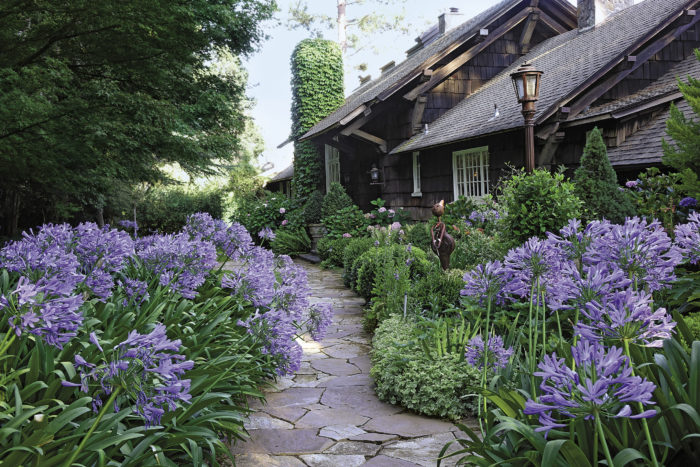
141,351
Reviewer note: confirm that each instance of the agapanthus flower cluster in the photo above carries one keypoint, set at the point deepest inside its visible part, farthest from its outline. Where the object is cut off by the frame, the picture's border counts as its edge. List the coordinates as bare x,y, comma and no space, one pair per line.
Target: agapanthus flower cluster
267,234
688,202
279,290
146,368
44,256
688,239
533,262
182,263
575,288
320,317
641,249
485,283
233,240
101,252
497,357
601,384
132,225
625,316
481,217
136,291
39,310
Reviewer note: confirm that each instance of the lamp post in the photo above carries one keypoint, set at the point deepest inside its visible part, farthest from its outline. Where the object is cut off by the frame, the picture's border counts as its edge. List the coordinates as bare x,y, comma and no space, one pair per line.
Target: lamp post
526,81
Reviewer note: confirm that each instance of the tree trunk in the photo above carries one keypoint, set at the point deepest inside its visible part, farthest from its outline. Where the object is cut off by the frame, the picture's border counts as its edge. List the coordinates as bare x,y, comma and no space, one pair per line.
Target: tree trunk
100,216
342,26
12,203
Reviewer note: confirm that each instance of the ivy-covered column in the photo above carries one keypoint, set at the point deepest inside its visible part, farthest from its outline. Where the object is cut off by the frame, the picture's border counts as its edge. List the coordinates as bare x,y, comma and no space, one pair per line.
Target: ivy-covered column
317,90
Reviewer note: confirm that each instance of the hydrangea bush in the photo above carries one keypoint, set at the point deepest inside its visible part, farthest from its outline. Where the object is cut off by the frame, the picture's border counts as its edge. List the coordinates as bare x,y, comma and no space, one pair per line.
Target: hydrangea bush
142,350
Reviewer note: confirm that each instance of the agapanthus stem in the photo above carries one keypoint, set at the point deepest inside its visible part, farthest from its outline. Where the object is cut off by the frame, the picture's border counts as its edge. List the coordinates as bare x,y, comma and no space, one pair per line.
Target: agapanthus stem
7,341
645,426
486,352
531,350
97,421
540,299
603,442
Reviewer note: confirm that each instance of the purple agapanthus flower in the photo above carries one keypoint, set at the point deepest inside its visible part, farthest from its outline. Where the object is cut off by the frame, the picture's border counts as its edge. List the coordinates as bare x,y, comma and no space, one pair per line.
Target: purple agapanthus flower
601,384
485,283
267,234
523,267
642,250
573,289
688,239
147,370
36,309
688,202
136,291
320,317
181,262
625,316
127,224
497,357
632,183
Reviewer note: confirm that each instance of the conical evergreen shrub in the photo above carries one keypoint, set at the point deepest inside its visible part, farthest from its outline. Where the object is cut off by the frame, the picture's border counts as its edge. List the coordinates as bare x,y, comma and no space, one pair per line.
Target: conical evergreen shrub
596,183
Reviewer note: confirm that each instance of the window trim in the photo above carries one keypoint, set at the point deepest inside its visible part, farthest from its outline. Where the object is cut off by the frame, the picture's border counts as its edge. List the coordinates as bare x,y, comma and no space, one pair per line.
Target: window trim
331,151
483,170
416,175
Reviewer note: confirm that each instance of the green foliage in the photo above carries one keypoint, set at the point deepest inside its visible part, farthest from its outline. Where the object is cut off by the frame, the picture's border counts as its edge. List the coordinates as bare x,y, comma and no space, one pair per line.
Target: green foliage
404,375
385,217
257,213
476,248
348,220
537,203
596,183
335,200
437,290
291,242
682,152
418,235
656,196
331,250
444,335
317,90
313,208
457,212
372,263
98,92
165,208
692,320
354,249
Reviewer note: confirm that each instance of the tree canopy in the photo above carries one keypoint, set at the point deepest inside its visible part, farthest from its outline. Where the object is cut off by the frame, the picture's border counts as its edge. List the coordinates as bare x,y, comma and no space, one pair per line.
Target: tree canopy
93,93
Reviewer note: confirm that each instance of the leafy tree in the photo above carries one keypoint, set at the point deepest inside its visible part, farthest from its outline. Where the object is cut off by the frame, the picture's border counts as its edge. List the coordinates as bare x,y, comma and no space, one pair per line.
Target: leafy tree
683,153
596,183
96,93
353,32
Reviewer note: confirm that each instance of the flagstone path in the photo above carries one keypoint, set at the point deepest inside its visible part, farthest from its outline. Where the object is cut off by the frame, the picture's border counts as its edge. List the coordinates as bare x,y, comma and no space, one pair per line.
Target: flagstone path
327,415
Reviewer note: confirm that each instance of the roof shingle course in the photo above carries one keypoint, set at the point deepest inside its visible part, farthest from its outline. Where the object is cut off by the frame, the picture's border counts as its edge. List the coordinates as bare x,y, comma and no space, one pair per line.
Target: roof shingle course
567,60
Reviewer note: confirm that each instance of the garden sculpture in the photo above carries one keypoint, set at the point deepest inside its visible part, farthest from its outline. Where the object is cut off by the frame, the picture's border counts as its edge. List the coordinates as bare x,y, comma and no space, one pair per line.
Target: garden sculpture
442,243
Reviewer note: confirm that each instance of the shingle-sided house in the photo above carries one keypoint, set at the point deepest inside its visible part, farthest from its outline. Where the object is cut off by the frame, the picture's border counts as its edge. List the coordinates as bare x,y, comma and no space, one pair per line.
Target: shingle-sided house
452,60
617,72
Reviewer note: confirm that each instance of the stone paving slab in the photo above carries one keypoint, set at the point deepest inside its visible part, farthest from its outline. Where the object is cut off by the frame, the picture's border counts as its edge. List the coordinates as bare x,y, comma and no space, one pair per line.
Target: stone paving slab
327,414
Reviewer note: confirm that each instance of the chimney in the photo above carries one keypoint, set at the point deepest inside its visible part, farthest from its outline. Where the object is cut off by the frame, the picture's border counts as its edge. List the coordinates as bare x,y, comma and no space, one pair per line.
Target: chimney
447,21
594,12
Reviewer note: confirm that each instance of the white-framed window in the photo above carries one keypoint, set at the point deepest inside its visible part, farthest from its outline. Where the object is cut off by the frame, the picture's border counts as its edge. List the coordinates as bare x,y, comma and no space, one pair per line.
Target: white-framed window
416,175
332,166
470,172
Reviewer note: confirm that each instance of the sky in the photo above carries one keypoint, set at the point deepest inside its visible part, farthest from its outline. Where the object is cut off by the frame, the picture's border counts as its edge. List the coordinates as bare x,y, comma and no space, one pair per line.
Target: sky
269,73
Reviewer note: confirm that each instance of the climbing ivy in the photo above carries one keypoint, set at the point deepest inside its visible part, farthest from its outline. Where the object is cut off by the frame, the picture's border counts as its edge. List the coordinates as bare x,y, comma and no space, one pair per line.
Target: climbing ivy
317,90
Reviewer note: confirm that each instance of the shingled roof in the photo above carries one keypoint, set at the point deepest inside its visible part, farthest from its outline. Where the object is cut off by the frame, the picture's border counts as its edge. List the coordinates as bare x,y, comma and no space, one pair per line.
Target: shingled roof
285,174
644,147
568,61
666,85
413,65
